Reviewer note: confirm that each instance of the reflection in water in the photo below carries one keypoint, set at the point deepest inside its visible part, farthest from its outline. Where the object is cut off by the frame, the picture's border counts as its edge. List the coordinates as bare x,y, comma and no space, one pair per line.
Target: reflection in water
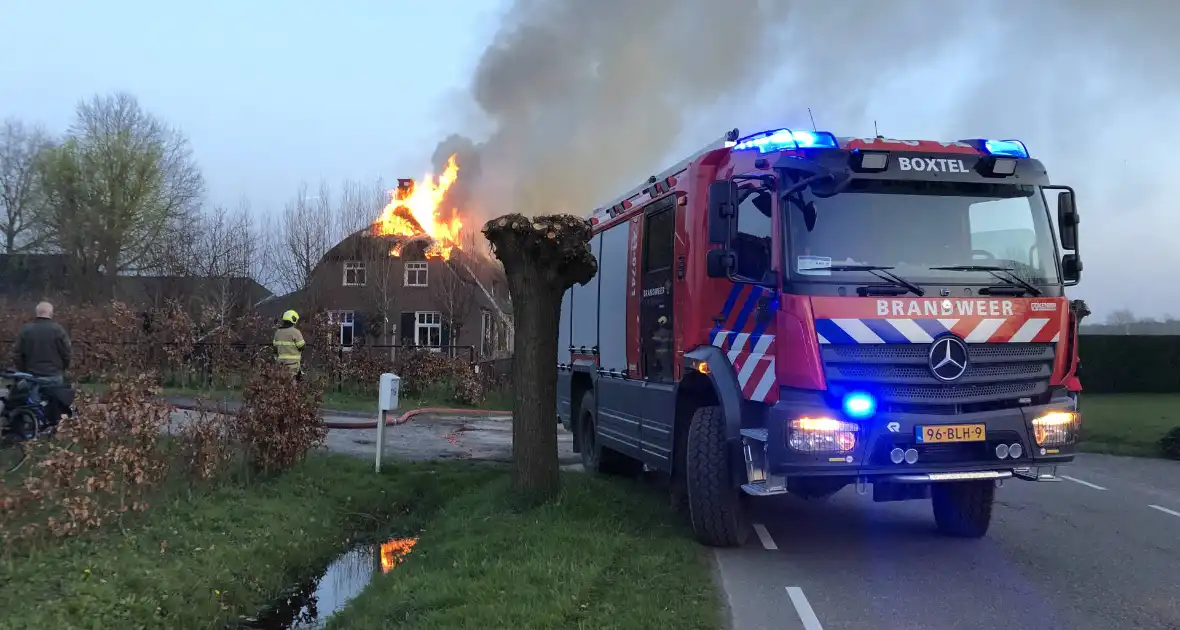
309,604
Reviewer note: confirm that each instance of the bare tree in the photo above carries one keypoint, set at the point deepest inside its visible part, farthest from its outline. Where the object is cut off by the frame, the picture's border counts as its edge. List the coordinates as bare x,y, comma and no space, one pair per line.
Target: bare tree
1121,317
221,254
21,148
454,295
304,236
121,190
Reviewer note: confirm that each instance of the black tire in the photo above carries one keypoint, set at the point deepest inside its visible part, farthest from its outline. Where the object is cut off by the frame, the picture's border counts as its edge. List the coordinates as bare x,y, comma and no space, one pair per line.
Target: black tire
716,507
597,458
963,509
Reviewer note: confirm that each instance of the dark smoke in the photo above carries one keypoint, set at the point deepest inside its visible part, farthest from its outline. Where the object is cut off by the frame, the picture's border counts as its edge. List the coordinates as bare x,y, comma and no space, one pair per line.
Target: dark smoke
589,97
586,97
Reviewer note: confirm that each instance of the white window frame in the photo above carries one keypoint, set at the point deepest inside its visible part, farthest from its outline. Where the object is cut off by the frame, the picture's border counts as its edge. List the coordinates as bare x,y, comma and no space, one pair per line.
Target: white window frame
344,319
426,321
487,344
421,274
355,266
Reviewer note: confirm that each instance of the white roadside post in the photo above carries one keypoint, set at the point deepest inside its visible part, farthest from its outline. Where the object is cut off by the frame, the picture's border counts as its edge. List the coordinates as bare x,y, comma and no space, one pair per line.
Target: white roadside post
387,400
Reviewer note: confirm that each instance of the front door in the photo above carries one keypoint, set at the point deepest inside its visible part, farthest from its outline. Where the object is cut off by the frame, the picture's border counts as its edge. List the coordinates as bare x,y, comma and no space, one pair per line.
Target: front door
655,332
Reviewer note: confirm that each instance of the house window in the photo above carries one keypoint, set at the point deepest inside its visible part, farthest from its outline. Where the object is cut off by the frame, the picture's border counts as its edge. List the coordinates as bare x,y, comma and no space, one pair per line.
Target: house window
428,328
486,330
354,274
416,274
346,320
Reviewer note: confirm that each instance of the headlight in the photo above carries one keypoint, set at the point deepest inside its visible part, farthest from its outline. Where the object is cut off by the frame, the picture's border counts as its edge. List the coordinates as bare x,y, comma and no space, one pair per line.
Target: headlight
821,435
1056,428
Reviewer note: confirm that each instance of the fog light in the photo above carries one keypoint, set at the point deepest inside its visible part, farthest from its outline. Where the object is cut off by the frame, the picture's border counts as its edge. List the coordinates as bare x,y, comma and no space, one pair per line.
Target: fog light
1015,451
896,455
822,435
1002,451
911,456
1055,428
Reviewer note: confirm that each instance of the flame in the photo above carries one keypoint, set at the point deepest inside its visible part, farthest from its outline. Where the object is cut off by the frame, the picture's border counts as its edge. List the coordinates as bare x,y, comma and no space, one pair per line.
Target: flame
395,551
413,212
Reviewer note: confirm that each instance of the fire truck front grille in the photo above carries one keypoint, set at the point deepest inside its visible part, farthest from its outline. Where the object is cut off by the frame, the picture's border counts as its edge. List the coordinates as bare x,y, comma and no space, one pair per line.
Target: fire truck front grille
997,375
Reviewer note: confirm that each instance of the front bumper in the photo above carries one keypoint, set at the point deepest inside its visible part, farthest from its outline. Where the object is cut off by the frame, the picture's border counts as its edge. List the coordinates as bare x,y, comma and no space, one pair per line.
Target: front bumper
872,459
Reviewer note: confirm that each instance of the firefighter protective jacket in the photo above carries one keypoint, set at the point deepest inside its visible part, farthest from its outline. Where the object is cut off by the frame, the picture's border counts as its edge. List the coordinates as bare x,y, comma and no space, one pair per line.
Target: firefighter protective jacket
288,343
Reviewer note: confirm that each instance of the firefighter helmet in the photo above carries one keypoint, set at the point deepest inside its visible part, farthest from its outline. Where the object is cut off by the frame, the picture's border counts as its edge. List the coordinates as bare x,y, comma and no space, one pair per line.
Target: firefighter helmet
291,316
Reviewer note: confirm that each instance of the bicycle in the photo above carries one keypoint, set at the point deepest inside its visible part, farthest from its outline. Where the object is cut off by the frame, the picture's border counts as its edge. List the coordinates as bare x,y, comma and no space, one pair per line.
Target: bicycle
23,417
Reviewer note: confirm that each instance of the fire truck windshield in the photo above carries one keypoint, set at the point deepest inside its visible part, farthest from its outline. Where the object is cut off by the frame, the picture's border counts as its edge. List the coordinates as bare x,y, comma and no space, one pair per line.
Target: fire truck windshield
913,226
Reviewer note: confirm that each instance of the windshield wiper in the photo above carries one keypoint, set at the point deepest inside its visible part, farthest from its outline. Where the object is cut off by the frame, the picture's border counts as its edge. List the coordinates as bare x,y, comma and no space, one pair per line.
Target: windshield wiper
995,270
882,272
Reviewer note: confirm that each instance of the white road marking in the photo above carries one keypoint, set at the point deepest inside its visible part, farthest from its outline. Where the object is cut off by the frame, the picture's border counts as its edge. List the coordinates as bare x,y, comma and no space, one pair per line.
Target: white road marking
1165,510
806,614
764,536
1084,483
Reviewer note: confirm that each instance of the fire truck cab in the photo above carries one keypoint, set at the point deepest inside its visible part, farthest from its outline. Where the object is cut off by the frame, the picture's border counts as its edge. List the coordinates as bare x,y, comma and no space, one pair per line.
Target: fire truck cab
792,312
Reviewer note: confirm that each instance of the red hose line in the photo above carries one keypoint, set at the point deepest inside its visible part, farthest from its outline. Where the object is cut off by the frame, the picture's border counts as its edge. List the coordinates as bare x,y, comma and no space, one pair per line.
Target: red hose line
405,417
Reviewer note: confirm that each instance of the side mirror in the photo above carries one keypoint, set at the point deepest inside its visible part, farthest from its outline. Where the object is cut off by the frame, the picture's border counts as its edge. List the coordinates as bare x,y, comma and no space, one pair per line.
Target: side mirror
719,263
1071,268
722,211
1067,220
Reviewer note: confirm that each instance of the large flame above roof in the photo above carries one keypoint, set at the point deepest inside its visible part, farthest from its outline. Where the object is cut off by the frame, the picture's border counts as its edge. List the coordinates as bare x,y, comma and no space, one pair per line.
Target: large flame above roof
414,212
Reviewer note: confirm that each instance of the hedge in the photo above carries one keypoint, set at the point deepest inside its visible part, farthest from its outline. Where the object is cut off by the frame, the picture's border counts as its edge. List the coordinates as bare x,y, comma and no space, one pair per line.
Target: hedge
1130,364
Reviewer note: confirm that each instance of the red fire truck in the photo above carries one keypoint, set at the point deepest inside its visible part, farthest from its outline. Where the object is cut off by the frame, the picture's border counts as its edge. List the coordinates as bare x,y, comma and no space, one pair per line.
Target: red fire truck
792,312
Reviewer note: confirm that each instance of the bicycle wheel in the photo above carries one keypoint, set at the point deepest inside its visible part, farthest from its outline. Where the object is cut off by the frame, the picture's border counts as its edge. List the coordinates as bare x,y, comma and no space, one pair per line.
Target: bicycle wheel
22,428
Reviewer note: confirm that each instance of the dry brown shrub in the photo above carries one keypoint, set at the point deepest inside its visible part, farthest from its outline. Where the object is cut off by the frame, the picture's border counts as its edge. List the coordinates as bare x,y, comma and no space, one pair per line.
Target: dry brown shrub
106,461
279,420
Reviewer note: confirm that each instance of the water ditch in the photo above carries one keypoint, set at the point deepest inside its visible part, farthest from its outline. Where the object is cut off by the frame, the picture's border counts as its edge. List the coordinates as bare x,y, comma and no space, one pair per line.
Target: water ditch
308,605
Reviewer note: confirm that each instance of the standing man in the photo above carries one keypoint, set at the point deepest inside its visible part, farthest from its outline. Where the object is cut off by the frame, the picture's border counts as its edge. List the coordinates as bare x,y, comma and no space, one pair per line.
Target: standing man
288,343
43,349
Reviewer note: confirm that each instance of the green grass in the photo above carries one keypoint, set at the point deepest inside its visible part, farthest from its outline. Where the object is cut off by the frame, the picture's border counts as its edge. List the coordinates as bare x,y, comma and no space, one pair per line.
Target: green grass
607,555
1127,424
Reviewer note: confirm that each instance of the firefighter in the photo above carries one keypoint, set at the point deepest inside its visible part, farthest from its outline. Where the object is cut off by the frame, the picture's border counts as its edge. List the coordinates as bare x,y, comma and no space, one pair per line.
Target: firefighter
288,343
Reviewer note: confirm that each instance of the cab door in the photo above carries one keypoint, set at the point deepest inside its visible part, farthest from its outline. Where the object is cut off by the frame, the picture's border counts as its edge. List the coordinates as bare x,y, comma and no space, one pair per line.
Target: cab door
656,321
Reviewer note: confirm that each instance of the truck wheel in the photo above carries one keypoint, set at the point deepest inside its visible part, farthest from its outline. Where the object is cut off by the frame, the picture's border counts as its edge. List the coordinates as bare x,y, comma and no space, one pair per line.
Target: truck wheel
597,458
964,508
716,507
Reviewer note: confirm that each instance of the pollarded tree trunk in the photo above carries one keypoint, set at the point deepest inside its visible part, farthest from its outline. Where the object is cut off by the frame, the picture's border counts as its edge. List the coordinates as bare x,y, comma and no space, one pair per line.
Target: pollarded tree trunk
542,256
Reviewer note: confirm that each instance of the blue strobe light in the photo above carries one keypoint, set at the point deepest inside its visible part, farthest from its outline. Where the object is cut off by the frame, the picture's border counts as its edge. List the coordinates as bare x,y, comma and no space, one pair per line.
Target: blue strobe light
859,405
779,139
1006,148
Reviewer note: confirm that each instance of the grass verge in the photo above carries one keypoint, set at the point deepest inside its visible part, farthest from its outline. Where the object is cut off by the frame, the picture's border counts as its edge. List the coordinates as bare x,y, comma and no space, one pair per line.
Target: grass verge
199,561
1127,424
607,555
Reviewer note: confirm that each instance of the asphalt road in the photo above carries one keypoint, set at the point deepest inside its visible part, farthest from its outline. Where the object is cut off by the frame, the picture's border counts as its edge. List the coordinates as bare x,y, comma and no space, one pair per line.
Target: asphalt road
1097,551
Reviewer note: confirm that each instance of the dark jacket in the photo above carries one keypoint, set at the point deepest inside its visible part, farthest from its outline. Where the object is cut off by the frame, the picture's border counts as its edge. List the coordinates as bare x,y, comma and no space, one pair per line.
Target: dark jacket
42,348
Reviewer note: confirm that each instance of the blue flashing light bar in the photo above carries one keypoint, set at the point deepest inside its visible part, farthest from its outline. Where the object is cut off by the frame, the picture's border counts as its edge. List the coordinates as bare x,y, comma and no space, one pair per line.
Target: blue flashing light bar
1006,148
859,405
779,139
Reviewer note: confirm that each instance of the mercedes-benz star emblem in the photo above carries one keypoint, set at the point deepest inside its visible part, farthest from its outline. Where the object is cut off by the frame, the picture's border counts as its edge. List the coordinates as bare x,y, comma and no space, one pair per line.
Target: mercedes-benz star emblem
948,358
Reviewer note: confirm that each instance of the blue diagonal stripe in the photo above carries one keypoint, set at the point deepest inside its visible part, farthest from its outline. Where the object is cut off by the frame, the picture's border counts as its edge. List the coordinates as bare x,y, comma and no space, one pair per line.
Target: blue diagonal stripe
885,331
933,327
747,308
833,333
726,309
760,327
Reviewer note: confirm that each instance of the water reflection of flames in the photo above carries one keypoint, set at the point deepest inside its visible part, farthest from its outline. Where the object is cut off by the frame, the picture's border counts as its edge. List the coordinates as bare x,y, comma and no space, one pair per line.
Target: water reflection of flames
395,551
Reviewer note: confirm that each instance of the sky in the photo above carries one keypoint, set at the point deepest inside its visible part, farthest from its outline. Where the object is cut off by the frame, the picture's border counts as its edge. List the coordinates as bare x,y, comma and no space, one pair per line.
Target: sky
275,93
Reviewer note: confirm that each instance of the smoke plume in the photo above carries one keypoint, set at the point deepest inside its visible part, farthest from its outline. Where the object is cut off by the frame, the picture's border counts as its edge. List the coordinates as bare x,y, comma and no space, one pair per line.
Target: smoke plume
589,97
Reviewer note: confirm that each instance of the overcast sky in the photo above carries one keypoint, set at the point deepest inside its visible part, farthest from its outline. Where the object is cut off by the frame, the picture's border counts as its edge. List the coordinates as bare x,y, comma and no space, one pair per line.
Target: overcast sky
271,93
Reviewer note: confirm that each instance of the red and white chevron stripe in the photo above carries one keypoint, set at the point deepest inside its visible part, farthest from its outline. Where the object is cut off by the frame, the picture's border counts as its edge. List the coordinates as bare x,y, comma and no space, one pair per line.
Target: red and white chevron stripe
753,362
